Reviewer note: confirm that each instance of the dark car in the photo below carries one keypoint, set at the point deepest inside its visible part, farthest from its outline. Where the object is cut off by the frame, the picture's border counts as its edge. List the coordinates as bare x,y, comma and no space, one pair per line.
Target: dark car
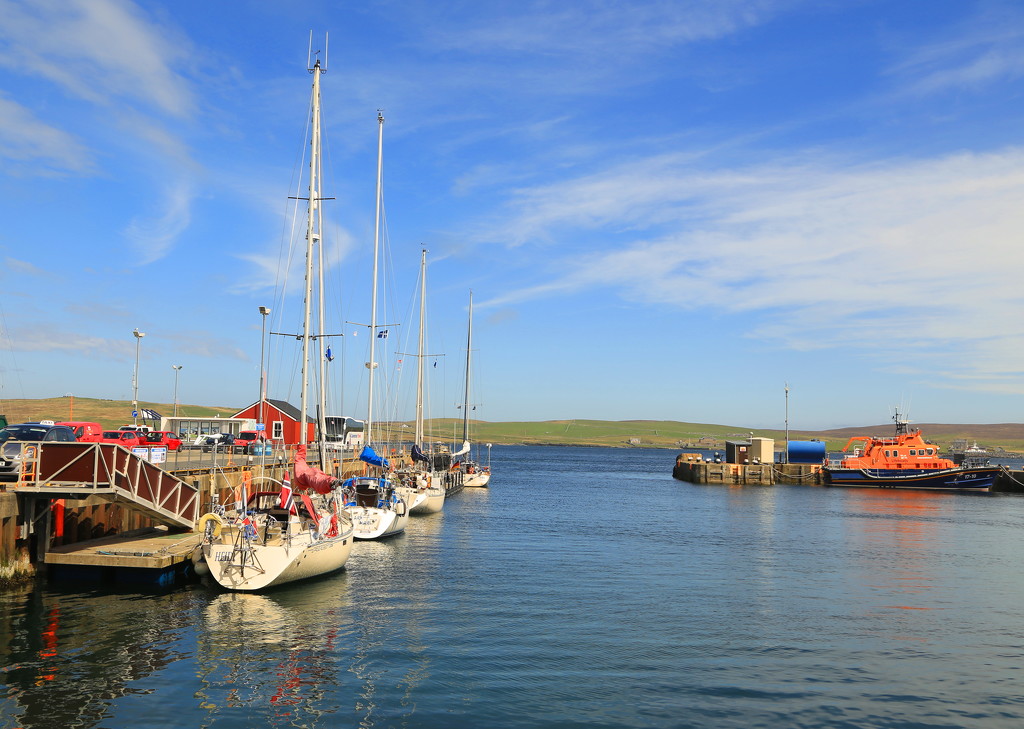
13,437
218,442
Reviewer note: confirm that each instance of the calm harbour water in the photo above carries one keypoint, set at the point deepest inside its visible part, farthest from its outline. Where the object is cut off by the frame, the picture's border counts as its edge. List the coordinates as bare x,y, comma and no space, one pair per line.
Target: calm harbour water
586,588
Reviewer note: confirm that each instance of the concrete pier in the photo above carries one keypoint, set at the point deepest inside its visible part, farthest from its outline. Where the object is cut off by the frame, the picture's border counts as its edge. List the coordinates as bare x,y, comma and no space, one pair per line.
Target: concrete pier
691,467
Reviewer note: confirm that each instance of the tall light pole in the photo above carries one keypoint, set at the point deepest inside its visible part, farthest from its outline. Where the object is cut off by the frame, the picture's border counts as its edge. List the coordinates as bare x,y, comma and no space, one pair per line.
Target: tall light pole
264,311
135,379
177,369
786,460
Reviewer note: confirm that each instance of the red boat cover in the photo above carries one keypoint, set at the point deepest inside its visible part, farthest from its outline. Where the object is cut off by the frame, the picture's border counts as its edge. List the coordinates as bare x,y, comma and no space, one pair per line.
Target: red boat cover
308,477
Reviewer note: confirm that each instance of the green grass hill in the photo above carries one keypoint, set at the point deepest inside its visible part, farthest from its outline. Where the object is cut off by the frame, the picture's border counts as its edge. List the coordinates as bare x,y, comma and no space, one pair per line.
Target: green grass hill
613,433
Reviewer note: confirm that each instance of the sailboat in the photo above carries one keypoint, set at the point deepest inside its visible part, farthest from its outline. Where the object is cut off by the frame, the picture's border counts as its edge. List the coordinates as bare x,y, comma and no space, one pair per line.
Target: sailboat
423,488
270,537
473,473
376,507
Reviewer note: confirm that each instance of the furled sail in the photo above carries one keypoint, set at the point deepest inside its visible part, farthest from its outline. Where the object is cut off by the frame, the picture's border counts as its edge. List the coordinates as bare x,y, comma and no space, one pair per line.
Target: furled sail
370,456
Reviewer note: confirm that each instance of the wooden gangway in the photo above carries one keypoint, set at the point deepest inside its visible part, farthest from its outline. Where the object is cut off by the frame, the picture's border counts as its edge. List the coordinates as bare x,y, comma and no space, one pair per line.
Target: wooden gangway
80,470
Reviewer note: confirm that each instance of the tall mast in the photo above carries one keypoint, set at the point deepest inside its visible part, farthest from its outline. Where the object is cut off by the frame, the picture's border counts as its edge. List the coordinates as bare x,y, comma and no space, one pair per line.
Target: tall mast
312,240
469,349
372,364
420,354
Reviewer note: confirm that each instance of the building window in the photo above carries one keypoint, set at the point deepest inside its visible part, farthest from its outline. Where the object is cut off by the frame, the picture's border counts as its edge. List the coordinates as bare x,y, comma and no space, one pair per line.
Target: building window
278,432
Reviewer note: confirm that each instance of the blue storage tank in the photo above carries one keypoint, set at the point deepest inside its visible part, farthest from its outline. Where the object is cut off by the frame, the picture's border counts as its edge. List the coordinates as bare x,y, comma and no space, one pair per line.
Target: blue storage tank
805,451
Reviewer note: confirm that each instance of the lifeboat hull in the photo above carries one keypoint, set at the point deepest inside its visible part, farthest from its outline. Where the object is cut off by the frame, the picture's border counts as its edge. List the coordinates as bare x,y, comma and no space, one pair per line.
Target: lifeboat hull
947,479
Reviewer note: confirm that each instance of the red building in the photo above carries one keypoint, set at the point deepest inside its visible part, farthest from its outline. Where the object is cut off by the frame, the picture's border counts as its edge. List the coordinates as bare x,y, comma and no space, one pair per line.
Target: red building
281,419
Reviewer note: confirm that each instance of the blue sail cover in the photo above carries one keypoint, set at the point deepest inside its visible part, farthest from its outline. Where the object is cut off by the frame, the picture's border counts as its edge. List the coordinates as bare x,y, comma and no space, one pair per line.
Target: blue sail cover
418,455
370,456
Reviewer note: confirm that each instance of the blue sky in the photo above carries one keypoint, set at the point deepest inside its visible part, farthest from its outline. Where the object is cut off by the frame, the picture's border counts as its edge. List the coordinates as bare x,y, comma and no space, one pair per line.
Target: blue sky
665,210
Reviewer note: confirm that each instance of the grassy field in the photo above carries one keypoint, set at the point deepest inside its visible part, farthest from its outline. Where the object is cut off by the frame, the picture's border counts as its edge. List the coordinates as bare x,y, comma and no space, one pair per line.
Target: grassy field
674,434
614,433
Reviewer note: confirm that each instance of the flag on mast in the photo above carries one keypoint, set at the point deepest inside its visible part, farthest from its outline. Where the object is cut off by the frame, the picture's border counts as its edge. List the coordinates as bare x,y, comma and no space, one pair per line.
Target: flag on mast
287,499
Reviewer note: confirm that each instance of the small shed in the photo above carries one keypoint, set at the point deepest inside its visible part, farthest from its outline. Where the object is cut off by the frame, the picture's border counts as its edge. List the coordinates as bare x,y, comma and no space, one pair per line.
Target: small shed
762,450
737,451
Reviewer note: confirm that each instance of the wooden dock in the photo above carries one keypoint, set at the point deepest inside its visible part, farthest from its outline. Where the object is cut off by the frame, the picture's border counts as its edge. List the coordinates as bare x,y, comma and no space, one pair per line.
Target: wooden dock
157,548
157,557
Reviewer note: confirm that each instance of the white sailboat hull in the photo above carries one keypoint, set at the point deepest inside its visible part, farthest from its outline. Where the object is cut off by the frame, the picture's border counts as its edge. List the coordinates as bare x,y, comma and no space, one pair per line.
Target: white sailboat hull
373,522
412,496
280,561
476,479
432,502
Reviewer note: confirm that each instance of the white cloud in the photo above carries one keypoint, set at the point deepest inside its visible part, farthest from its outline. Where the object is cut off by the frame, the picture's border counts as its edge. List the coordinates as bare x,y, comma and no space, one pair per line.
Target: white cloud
47,338
595,29
990,50
894,259
24,267
97,50
154,236
33,147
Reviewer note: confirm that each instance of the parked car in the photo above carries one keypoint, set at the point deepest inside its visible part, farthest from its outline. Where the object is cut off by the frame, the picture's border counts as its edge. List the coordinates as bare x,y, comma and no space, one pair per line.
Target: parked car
137,428
13,437
126,438
164,438
247,440
218,442
85,432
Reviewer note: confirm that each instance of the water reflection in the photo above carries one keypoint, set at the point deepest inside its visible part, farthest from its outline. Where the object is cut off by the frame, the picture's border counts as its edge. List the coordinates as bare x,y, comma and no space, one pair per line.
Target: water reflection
276,653
902,547
69,658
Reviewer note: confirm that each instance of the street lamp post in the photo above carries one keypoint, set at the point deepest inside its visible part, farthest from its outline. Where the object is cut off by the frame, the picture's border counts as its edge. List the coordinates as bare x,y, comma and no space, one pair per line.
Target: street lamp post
135,379
177,369
264,311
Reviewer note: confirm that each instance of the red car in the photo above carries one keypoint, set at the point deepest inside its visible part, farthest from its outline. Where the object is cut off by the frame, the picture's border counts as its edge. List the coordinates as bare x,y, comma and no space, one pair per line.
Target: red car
126,438
163,438
249,439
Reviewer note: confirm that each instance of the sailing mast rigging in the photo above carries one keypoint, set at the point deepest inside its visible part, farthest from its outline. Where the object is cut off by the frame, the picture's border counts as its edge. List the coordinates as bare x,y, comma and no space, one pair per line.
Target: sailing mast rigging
469,349
372,364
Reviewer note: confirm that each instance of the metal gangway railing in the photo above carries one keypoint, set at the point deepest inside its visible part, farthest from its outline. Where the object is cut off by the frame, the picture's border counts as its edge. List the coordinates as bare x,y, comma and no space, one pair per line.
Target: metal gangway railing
79,470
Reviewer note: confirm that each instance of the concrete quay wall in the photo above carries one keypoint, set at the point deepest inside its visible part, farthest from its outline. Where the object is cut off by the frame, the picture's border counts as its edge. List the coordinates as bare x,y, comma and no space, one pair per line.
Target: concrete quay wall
691,467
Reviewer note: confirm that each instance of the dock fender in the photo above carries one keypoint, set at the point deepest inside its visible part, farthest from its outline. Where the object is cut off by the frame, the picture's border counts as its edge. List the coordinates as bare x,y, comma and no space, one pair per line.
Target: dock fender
199,562
205,522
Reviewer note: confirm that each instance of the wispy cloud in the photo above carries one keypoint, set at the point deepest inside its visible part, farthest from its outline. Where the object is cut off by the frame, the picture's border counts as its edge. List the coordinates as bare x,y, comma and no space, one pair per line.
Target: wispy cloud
989,50
97,50
31,146
24,268
123,65
593,29
48,338
154,236
884,258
